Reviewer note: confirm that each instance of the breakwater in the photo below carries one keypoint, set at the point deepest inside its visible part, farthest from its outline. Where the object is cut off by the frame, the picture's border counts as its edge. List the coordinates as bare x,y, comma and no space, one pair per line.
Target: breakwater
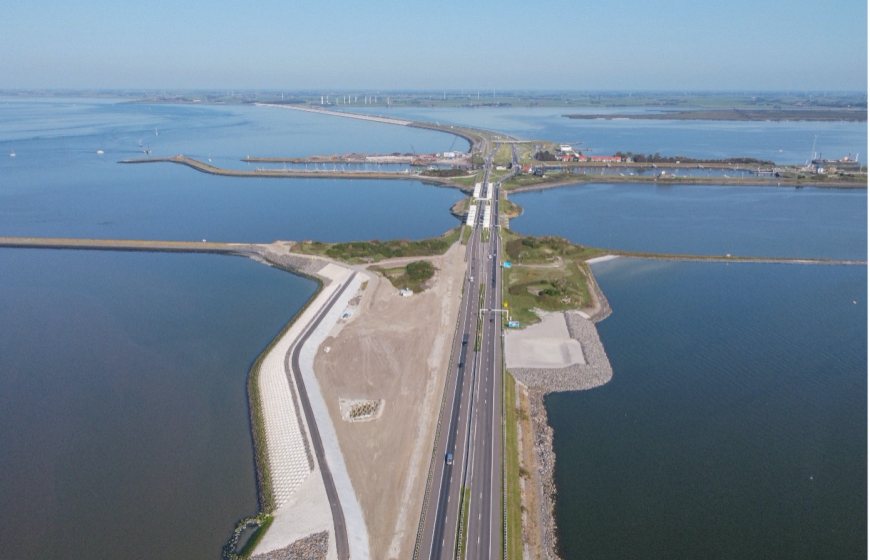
246,249
563,180
738,259
287,173
475,137
371,118
538,382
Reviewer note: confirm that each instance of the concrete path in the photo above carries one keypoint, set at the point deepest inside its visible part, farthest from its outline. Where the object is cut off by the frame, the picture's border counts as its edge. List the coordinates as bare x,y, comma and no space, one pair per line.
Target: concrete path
302,503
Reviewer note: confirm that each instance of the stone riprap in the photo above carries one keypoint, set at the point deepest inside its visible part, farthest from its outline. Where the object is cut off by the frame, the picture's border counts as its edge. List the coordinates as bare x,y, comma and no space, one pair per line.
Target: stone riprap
312,547
575,377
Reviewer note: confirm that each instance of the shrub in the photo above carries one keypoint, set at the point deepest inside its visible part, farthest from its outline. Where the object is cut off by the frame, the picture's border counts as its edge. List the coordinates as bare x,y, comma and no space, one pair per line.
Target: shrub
420,270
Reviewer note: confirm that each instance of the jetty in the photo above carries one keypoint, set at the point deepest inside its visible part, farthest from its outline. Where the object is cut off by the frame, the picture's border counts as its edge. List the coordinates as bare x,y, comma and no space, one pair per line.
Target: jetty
289,173
204,246
727,259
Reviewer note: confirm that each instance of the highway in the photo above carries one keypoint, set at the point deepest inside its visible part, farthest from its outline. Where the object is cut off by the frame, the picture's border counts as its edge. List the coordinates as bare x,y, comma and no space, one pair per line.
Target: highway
470,429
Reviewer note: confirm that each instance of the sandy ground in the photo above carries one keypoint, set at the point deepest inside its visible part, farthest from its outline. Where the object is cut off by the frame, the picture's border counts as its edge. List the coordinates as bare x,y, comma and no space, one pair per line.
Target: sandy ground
395,349
544,345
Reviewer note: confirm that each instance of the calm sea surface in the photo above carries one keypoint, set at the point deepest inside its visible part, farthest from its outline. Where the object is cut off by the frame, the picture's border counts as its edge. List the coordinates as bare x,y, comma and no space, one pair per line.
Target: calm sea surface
702,219
122,407
735,423
123,412
782,142
57,185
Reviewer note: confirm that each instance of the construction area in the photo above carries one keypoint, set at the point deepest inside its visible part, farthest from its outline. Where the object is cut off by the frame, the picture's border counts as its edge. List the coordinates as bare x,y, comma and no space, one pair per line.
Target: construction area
393,351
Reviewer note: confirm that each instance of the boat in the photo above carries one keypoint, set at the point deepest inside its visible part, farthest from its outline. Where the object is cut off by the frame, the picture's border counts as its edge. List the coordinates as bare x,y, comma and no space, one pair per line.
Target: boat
12,153
100,152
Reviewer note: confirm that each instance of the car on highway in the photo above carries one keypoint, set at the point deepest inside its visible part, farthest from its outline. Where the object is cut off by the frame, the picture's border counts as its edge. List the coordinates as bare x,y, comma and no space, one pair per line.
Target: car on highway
449,459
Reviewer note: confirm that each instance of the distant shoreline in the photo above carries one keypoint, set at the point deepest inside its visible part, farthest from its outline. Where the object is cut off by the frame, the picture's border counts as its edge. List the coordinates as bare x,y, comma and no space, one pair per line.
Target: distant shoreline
677,181
779,115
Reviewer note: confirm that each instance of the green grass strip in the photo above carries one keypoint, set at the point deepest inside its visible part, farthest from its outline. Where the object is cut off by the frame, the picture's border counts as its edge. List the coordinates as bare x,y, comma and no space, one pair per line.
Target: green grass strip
255,539
466,234
480,302
513,500
462,537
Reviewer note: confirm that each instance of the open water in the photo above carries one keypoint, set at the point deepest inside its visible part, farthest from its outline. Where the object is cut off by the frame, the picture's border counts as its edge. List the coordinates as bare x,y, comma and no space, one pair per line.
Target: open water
735,423
781,142
123,412
123,409
702,219
123,418
57,185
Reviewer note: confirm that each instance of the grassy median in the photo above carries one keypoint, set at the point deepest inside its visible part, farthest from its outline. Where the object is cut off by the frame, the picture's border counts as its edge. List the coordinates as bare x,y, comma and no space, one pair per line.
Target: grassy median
462,537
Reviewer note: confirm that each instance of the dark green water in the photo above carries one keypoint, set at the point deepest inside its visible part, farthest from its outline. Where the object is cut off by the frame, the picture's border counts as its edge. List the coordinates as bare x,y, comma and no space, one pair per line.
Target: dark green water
123,416
735,423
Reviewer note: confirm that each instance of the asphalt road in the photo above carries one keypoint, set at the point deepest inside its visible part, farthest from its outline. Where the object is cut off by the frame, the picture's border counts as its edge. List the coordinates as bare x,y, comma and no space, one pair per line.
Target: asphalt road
471,417
341,542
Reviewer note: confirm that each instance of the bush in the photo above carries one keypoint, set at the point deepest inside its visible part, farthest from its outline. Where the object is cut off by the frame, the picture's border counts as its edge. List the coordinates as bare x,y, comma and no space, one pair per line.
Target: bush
420,270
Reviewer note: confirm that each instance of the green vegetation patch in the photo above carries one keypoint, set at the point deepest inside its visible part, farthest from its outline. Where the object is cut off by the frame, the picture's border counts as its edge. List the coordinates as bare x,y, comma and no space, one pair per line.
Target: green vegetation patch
374,251
260,524
526,151
462,537
496,176
444,173
466,234
480,302
547,273
503,155
509,209
525,180
413,276
258,535
460,207
513,499
468,181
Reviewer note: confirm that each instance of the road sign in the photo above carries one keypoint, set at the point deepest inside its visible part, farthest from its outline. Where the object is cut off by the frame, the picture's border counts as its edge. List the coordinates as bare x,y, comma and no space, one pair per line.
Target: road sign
513,324
505,304
507,264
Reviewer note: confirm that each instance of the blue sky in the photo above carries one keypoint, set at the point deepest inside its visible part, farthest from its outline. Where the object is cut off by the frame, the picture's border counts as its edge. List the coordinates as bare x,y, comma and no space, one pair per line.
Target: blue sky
447,44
